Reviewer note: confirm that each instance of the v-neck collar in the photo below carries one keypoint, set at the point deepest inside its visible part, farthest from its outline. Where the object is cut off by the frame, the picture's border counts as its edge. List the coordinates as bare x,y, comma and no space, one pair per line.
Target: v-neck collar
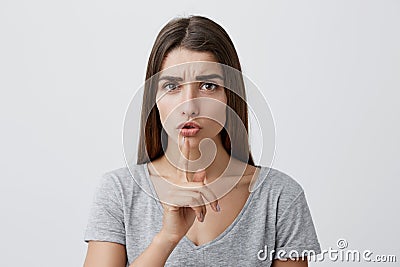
226,231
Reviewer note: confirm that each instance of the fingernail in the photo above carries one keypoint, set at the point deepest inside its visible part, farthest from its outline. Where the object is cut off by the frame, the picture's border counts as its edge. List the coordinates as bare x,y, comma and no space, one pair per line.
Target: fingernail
201,216
218,207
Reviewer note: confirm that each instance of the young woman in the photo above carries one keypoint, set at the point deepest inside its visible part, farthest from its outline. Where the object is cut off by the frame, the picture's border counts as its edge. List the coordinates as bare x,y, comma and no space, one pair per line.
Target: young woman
204,213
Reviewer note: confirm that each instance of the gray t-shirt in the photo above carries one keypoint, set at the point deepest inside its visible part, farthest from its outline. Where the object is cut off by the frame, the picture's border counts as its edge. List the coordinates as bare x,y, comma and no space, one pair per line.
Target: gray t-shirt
275,220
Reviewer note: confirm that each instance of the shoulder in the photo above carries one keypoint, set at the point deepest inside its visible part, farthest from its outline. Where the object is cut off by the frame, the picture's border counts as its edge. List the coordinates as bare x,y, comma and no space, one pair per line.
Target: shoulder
123,178
119,173
284,181
277,185
274,179
117,176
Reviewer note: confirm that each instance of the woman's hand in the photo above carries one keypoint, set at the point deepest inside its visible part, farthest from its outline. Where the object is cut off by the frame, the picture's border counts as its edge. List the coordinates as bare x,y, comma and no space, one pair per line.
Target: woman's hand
185,201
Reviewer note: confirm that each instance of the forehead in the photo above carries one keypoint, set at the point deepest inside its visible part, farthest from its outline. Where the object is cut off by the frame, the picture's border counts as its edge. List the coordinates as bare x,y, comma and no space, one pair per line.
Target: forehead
182,55
187,64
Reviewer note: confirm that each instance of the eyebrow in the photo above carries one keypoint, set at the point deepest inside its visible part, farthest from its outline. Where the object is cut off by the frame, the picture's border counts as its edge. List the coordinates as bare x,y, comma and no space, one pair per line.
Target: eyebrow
199,78
208,77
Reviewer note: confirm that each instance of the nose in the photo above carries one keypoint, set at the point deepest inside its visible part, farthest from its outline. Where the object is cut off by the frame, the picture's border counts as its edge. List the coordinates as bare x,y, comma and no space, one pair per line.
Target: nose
189,106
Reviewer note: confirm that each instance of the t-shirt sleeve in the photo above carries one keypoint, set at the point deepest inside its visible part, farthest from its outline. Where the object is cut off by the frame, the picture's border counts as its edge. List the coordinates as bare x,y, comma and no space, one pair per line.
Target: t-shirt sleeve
106,216
295,232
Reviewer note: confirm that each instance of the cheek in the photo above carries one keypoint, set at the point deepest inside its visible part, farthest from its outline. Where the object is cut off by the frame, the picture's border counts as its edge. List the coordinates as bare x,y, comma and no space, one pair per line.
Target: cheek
218,107
168,120
215,111
164,108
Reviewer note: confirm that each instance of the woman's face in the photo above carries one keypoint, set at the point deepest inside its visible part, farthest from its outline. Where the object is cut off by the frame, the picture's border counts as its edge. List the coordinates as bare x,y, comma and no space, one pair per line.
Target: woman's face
190,88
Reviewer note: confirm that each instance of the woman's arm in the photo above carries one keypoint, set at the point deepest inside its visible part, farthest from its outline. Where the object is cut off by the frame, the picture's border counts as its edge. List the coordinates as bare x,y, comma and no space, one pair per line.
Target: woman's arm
290,263
157,253
105,254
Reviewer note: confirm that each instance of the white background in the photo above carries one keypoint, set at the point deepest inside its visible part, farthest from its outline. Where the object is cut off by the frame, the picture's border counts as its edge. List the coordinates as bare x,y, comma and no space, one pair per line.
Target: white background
329,69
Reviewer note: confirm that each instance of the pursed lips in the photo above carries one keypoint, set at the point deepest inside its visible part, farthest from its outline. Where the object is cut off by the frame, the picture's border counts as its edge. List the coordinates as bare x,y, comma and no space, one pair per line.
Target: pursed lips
189,125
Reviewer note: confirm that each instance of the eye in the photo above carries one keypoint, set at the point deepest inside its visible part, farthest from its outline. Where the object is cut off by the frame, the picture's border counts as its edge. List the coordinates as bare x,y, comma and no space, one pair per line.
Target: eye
209,86
170,86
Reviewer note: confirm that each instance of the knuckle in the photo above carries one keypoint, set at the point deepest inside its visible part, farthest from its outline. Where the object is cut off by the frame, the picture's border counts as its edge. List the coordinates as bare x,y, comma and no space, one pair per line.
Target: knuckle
193,200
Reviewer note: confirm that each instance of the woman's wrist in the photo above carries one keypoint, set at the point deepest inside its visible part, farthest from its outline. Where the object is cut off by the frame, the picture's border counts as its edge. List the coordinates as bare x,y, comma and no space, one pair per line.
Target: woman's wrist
157,253
166,240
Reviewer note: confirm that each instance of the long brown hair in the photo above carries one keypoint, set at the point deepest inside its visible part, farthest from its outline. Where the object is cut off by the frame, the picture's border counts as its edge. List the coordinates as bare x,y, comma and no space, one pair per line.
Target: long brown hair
201,34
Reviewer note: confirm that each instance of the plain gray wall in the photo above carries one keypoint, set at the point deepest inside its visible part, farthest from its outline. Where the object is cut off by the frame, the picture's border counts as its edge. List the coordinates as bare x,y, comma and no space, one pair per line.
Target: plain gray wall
329,69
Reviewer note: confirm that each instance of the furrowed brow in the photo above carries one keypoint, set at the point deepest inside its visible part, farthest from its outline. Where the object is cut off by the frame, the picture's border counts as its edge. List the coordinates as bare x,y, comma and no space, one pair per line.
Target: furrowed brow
170,78
209,77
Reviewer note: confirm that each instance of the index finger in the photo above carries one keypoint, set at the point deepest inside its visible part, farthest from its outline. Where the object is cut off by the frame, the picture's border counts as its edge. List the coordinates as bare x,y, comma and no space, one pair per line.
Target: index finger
183,159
